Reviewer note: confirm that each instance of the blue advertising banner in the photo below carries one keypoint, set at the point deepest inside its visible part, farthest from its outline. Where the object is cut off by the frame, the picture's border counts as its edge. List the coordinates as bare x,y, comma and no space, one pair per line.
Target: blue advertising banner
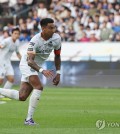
81,74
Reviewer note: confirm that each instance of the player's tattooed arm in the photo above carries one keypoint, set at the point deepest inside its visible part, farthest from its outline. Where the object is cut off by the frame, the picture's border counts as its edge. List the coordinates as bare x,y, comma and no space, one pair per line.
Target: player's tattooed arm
31,62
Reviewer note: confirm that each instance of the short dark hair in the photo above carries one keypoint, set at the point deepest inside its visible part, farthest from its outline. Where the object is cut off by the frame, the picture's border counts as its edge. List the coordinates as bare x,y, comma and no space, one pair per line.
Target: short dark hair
45,21
15,29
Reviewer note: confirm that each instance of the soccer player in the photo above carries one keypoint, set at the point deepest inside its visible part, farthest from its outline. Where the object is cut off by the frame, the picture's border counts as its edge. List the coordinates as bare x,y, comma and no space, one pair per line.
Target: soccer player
39,49
7,47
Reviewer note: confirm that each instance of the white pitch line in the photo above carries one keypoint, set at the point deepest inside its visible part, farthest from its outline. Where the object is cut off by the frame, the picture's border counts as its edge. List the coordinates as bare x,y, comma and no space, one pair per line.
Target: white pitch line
2,102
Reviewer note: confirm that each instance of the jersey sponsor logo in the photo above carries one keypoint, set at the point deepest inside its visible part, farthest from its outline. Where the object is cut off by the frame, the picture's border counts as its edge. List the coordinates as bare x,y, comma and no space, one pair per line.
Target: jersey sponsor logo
46,48
43,51
11,49
31,43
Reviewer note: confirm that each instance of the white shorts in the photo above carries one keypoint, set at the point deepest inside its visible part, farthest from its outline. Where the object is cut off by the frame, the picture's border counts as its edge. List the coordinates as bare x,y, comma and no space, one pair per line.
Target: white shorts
5,70
26,72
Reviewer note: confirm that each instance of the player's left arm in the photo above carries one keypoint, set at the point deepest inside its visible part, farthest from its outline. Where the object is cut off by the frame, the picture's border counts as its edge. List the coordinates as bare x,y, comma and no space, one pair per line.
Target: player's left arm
57,60
1,46
17,50
18,55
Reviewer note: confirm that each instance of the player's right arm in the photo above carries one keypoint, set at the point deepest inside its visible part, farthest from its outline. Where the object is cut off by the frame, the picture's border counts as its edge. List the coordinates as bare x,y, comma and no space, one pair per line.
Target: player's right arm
1,46
32,64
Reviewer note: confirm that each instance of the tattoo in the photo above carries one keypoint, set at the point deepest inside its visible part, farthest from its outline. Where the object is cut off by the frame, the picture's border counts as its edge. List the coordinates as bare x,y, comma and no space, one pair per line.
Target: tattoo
32,63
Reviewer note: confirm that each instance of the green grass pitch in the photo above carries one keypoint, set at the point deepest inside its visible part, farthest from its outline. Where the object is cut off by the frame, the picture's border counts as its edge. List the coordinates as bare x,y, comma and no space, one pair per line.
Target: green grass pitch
64,111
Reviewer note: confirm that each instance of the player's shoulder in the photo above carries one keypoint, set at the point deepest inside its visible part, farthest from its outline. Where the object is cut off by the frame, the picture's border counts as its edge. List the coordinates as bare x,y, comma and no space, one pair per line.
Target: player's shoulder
56,39
35,38
8,39
56,36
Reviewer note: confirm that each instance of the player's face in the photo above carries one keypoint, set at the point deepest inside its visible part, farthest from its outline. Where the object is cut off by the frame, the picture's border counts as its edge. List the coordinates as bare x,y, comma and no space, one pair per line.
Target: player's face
50,29
15,35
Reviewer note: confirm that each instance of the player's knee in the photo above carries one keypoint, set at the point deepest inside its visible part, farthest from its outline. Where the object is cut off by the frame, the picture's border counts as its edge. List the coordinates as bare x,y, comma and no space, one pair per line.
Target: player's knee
22,97
11,80
39,88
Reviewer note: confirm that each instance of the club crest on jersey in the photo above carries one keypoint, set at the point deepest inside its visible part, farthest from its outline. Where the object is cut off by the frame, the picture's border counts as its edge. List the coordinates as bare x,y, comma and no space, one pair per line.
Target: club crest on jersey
31,43
50,44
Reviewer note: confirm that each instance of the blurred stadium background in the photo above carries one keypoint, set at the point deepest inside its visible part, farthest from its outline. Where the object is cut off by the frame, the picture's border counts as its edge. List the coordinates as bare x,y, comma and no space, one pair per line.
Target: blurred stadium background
90,32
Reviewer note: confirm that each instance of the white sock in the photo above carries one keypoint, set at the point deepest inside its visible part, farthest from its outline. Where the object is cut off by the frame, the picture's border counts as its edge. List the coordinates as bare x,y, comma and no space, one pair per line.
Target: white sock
8,85
13,94
34,99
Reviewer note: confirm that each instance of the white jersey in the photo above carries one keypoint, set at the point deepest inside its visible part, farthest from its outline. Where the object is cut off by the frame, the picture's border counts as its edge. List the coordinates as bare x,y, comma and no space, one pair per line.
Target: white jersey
42,48
8,48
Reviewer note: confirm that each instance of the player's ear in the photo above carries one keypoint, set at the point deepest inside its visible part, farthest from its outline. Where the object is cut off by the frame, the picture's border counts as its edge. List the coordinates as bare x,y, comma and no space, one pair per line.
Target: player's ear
43,28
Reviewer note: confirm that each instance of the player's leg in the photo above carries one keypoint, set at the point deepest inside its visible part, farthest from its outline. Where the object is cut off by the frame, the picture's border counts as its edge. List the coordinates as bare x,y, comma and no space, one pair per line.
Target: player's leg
9,82
1,82
22,94
2,76
9,76
25,90
34,99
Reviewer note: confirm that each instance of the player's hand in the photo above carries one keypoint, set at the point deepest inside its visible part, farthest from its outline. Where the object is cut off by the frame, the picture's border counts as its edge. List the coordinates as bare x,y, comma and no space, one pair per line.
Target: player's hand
48,73
56,80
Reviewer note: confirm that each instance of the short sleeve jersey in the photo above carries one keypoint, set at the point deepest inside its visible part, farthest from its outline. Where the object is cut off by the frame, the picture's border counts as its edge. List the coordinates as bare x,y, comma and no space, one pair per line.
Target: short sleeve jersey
8,48
42,48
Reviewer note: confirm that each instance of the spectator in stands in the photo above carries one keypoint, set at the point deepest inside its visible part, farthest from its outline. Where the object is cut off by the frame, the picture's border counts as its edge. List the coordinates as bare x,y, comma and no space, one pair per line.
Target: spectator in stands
84,18
25,36
117,18
93,9
88,31
71,34
35,16
117,37
91,22
96,19
74,13
79,34
92,37
42,10
29,23
110,8
116,28
102,16
97,31
84,38
106,33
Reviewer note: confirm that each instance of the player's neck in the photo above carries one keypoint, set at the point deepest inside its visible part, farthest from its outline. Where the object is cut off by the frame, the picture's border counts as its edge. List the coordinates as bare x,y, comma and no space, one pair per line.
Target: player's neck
45,37
13,40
